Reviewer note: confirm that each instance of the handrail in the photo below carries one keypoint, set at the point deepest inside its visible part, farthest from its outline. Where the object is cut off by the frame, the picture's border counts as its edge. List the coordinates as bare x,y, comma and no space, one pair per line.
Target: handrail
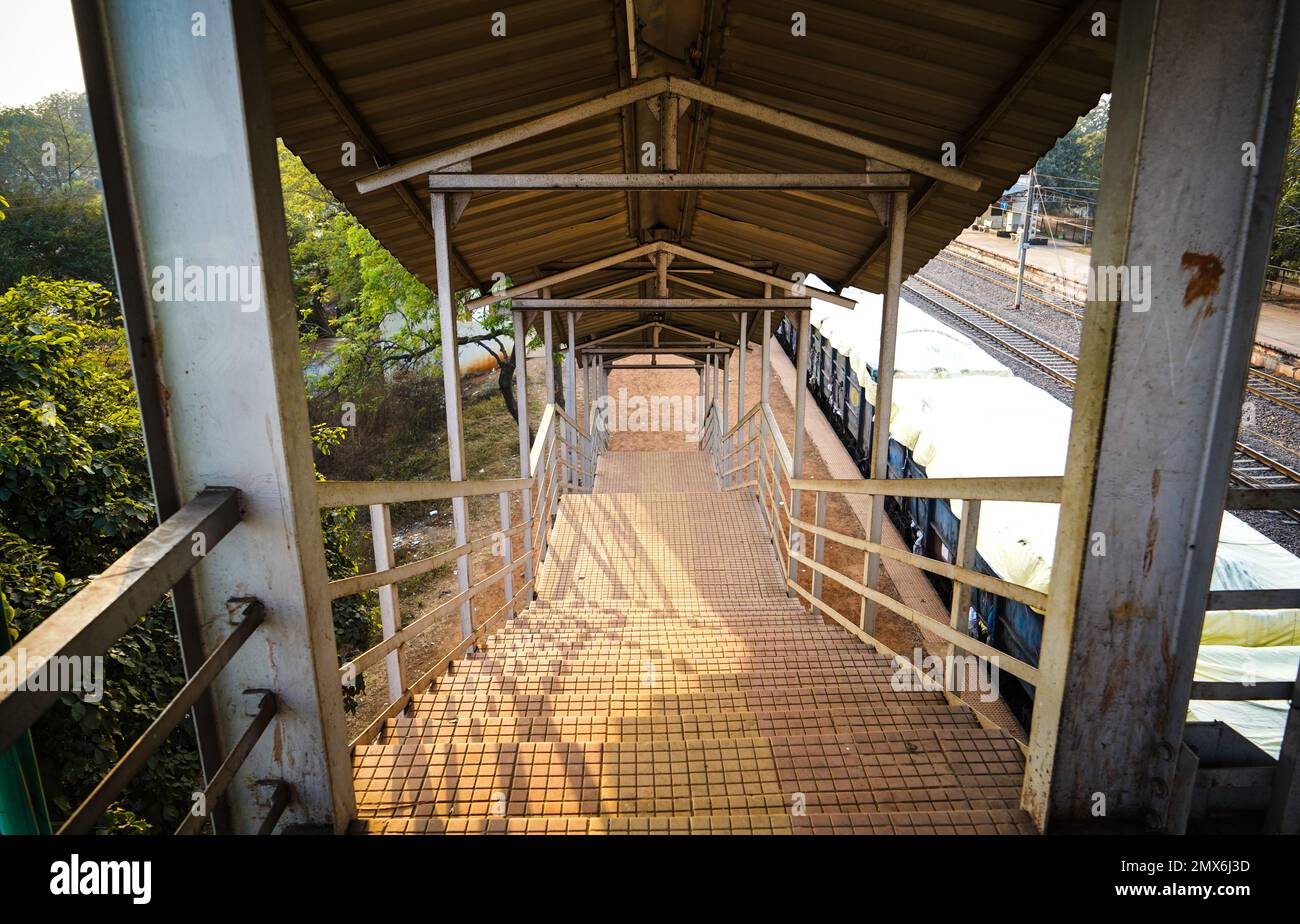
783,451
544,433
753,411
562,459
366,493
1034,489
563,415
93,620
102,612
250,613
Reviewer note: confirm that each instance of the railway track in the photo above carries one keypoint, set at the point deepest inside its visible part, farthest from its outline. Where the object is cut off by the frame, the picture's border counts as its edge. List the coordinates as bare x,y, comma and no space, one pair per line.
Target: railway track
1279,392
987,273
1250,467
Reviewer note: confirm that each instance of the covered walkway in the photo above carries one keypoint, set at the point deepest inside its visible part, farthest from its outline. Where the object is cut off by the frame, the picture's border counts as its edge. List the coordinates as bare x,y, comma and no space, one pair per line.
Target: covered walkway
659,178
664,682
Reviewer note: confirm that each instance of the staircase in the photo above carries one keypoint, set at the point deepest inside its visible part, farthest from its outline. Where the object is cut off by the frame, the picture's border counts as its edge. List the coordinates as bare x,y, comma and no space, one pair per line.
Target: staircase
664,682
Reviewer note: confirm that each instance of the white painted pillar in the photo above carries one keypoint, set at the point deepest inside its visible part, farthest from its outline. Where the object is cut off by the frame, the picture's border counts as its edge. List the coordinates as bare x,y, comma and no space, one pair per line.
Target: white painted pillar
1162,372
740,396
765,370
571,394
548,341
451,387
525,442
803,328
884,390
202,186
390,620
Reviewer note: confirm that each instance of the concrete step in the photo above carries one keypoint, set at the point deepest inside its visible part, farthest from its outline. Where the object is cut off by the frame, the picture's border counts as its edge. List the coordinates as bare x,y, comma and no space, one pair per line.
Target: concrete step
680,727
913,770
830,697
846,660
989,821
661,681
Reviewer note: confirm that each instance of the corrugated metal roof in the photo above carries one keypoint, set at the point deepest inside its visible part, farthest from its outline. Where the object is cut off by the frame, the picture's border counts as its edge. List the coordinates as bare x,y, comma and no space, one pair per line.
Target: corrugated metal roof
1002,79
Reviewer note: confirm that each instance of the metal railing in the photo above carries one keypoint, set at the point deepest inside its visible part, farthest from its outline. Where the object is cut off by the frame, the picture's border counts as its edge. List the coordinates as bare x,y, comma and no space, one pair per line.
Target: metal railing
104,611
752,455
1282,783
562,460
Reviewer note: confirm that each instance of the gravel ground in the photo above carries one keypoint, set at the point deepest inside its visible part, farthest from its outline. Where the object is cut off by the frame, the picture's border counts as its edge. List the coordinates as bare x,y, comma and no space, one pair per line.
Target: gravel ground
1275,431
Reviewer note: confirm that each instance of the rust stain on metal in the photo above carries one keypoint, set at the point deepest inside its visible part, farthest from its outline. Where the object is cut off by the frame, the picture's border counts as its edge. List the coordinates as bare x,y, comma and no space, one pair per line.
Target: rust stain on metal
1126,610
1153,527
1207,270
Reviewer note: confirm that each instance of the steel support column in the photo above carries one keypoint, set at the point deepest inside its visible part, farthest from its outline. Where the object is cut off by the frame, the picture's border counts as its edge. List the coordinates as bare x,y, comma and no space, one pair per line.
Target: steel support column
571,393
765,370
1199,127
803,322
197,188
525,439
548,343
884,390
451,388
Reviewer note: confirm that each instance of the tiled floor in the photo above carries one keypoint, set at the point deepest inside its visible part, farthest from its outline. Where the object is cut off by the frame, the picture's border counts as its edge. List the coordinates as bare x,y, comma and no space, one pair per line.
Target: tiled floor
663,682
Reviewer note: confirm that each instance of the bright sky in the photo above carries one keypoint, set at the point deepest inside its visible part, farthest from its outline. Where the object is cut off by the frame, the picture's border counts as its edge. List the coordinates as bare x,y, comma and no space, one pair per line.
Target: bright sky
40,50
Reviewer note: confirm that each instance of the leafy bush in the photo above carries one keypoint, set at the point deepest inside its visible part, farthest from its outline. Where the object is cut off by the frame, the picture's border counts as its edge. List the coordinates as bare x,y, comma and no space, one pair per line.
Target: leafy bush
74,496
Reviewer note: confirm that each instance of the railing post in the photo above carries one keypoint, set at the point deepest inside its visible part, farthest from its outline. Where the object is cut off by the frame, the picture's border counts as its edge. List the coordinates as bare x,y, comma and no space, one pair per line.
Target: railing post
1283,814
804,328
441,225
819,545
884,393
525,447
740,375
967,534
381,534
571,398
507,554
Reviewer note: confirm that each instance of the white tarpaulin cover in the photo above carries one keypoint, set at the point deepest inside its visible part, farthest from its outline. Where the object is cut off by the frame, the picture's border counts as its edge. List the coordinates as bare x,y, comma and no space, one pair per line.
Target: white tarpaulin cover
964,415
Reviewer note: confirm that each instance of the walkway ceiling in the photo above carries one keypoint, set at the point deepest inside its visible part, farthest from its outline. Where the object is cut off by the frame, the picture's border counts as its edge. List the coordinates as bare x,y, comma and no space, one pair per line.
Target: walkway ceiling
1001,79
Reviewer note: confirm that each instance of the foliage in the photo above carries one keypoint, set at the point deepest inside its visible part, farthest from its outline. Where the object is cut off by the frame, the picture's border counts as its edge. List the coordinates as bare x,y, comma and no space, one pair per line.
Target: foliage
1286,230
346,285
356,618
54,223
74,496
1077,155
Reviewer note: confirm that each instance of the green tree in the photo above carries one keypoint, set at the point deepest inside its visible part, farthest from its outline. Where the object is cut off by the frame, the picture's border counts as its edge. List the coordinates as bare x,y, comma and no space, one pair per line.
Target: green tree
1078,153
74,496
1285,250
346,285
54,224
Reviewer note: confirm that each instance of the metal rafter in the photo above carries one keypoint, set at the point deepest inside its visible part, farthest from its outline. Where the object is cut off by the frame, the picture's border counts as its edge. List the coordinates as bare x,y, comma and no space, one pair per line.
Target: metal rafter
287,28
